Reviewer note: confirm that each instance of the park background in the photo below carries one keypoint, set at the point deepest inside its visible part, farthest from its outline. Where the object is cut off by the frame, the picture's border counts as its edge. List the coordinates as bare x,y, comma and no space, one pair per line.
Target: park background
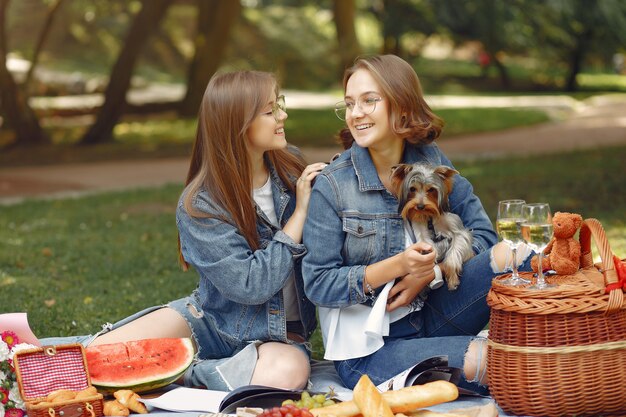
75,263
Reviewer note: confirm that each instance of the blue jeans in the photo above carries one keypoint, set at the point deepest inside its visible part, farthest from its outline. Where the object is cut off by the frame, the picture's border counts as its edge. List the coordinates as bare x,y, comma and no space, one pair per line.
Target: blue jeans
445,326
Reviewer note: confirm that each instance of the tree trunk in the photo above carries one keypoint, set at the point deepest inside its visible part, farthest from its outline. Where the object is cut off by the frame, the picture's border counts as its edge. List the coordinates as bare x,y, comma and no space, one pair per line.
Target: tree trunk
43,35
19,116
144,24
504,74
344,15
575,62
216,18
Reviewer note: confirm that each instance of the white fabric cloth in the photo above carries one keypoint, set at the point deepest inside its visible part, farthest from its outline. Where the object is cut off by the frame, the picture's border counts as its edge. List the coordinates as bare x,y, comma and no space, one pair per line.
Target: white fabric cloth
263,198
358,330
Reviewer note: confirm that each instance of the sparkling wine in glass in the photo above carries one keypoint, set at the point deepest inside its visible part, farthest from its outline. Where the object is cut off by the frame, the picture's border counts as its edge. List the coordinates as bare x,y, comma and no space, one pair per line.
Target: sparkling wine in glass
537,232
509,227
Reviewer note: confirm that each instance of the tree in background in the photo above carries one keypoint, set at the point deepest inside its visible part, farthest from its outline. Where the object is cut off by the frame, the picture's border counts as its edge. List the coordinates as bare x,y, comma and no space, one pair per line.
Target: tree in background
401,17
14,106
574,31
493,23
344,14
144,24
216,18
43,35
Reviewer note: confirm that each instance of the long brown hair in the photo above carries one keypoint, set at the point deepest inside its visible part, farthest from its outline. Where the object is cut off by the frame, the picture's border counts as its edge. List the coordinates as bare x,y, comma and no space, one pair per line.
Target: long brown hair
220,162
410,116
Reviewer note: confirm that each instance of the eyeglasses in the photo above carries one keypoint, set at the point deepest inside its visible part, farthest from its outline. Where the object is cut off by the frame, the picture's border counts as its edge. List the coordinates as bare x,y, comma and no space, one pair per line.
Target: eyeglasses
366,104
278,106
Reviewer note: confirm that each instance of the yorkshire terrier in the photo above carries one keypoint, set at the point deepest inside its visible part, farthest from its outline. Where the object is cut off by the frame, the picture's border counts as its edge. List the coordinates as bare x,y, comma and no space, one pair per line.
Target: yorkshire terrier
422,192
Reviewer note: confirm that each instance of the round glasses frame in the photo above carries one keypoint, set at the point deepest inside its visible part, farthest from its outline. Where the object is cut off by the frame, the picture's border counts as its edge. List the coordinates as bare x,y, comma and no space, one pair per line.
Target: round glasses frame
366,104
278,105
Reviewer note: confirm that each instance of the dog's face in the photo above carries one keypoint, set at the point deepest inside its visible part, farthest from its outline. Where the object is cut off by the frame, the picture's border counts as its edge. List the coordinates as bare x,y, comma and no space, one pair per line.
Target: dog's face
422,190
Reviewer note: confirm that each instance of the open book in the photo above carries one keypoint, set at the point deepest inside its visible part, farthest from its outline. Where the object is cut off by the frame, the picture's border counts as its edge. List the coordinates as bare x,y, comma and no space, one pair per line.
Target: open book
190,399
432,369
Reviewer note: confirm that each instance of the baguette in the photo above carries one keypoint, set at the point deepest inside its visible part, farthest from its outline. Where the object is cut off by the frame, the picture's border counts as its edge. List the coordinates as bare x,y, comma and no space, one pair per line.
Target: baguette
401,401
369,400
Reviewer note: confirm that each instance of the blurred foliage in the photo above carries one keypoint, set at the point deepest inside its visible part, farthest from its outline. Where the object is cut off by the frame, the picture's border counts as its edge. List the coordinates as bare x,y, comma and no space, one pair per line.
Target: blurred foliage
296,38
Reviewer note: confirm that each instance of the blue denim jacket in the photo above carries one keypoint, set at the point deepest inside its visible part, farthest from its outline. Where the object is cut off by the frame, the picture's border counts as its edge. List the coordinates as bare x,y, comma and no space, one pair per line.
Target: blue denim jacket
240,289
353,222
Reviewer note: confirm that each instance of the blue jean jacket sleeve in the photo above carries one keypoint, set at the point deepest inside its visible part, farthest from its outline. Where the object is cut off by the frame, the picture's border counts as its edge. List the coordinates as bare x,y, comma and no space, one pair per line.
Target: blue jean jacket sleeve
328,282
468,207
222,255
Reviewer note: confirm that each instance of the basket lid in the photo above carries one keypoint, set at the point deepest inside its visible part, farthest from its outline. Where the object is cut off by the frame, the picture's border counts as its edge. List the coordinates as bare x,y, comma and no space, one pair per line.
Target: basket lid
49,368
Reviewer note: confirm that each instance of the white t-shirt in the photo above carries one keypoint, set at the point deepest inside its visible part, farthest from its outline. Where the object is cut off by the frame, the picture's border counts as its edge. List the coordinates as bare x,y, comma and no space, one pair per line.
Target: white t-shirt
263,198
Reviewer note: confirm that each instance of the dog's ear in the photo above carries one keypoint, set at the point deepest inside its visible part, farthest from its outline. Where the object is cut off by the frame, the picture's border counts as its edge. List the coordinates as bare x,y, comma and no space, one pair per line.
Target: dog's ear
400,170
398,173
446,173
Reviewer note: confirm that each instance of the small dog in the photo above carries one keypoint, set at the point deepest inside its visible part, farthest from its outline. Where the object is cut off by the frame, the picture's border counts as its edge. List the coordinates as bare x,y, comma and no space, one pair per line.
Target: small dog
422,192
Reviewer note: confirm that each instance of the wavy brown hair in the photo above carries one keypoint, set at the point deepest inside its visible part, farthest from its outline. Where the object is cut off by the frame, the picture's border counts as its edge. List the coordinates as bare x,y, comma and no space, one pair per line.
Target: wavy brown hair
410,116
220,162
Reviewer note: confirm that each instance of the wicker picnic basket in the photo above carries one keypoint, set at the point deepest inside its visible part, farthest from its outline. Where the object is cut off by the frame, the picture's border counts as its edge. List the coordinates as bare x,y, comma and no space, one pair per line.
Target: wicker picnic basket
41,371
561,351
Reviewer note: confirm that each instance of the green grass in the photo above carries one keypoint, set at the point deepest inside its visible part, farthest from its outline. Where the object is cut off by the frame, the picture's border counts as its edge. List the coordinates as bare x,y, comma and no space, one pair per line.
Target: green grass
74,264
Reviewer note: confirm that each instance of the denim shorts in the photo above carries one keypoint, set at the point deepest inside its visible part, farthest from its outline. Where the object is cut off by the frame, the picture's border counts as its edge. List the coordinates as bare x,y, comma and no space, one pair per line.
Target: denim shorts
210,341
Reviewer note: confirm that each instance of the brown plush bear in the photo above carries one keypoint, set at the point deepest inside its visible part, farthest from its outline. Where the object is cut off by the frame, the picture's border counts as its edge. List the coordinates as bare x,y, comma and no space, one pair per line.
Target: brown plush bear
563,252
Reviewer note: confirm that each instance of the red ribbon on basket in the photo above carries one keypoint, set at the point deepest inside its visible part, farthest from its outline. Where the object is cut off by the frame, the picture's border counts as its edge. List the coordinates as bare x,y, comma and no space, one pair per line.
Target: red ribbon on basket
620,268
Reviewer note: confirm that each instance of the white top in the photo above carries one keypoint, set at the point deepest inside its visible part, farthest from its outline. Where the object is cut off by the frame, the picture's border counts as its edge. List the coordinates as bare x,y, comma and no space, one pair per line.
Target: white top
358,330
263,198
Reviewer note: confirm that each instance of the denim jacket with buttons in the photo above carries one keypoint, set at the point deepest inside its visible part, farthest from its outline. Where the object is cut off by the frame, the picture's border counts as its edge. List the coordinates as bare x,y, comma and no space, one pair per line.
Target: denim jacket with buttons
241,289
353,222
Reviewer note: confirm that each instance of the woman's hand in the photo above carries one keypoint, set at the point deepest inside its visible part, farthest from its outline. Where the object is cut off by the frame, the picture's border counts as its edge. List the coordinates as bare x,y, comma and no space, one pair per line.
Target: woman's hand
293,228
304,183
405,290
419,260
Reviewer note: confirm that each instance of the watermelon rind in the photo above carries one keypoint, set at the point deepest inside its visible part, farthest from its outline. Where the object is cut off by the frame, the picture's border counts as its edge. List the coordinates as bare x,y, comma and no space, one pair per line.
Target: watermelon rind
152,382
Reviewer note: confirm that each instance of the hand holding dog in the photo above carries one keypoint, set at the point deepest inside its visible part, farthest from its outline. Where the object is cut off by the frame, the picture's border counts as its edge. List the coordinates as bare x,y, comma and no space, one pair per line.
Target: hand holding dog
419,260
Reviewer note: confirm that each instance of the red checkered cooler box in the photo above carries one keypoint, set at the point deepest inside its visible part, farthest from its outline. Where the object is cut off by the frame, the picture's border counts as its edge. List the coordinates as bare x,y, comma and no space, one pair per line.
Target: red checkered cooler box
61,372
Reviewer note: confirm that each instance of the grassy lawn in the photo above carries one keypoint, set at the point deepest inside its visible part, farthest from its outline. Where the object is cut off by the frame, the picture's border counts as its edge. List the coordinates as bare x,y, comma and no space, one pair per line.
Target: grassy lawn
73,264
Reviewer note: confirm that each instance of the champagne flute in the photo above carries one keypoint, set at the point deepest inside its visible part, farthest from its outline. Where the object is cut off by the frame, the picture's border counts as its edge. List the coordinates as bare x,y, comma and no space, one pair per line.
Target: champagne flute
537,232
509,227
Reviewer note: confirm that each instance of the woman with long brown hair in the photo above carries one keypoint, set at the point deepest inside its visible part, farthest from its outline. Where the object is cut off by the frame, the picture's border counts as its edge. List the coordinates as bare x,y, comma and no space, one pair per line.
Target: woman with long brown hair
240,221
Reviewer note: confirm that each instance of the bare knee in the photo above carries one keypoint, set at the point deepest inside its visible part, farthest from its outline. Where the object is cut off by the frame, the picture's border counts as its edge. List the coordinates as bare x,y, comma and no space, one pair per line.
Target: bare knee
281,365
500,254
475,363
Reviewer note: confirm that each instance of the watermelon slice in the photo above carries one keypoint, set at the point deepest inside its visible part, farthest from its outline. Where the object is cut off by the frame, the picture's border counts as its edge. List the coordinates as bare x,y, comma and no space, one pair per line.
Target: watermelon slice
141,365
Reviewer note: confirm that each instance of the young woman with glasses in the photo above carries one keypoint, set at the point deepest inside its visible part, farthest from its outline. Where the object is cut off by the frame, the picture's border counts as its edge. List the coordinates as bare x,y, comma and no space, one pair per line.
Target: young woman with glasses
240,221
357,242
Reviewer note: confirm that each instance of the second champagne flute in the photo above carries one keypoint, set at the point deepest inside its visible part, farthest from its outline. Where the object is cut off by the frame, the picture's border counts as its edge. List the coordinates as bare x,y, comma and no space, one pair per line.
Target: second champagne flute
537,232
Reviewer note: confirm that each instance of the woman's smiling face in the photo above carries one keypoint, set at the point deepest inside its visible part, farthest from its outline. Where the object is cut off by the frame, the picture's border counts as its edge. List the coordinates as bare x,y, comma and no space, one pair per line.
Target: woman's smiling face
267,131
371,130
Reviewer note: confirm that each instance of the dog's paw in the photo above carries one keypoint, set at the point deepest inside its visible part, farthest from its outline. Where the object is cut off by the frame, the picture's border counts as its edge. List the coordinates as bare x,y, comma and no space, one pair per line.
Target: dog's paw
453,282
453,287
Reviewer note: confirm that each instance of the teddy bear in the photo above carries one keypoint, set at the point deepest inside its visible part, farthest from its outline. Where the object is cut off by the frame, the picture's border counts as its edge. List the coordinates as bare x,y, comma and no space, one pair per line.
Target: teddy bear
563,252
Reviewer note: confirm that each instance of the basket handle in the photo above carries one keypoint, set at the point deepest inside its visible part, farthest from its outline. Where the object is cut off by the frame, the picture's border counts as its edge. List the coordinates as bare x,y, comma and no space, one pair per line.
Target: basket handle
592,227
